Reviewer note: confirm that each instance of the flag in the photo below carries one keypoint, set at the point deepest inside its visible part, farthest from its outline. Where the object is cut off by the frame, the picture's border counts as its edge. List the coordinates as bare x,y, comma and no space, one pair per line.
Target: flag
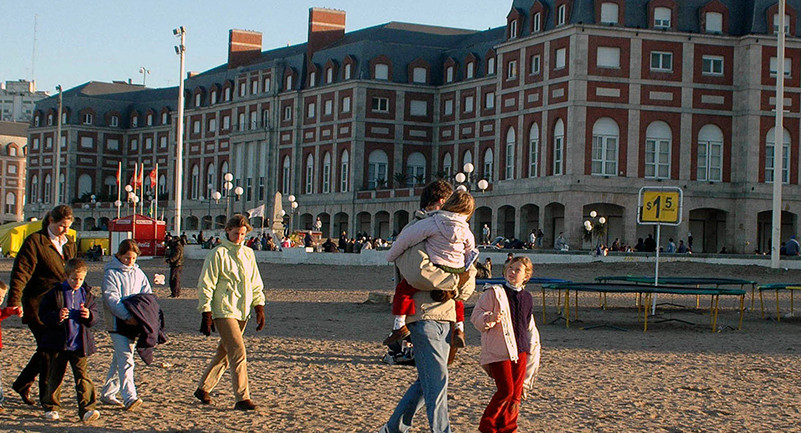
119,172
141,180
152,177
257,211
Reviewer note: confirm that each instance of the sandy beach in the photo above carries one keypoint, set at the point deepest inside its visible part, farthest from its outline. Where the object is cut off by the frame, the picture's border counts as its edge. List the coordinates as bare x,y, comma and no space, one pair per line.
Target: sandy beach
316,367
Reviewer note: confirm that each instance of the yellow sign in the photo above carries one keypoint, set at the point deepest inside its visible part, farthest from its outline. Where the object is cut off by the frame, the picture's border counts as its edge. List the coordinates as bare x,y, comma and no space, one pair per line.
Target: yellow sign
660,207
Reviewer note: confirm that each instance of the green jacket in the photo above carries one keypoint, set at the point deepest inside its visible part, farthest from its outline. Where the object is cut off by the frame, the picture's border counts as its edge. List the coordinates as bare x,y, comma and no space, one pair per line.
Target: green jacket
230,282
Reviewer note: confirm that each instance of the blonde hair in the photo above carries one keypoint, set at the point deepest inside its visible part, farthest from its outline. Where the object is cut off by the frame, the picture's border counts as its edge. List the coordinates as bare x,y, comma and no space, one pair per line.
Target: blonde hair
520,259
460,202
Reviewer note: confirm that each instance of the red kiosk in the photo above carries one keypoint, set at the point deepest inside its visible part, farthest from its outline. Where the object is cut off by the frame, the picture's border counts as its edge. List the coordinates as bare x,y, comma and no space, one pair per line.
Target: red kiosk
147,232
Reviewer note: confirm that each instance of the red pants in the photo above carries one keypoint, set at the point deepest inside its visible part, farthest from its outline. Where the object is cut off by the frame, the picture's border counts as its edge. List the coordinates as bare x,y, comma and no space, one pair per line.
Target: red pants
501,413
403,304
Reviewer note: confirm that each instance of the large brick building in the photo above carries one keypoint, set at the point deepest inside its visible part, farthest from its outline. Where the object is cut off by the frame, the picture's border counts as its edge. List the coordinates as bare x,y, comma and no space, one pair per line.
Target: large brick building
13,147
569,108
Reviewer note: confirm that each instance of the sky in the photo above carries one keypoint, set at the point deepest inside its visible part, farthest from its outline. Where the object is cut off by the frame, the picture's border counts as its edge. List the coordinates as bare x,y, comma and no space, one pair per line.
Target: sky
88,40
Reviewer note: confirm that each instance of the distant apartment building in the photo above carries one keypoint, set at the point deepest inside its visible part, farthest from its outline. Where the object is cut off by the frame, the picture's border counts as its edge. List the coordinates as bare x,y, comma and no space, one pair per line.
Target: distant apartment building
568,109
13,150
18,99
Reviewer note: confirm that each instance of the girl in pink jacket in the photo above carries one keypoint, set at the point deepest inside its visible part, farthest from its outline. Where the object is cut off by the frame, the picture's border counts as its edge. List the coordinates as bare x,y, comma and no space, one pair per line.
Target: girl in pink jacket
448,243
510,344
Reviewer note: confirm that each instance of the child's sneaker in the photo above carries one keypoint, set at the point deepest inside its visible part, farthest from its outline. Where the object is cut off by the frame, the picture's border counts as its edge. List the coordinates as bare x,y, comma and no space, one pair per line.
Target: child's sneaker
396,335
90,416
457,338
111,401
52,415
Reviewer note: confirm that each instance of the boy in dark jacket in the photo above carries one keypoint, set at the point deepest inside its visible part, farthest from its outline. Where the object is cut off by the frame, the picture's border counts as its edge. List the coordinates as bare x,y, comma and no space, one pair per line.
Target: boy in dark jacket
68,311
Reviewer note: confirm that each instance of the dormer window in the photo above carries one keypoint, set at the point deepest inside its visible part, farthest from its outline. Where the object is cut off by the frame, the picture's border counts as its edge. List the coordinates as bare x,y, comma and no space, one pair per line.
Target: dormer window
491,66
227,93
561,15
164,118
198,100
537,22
661,18
471,70
267,84
289,82
381,72
87,119
135,121
149,119
329,75
714,22
49,120
513,29
776,24
213,97
609,13
115,121
347,71
419,75
36,121
449,74
312,79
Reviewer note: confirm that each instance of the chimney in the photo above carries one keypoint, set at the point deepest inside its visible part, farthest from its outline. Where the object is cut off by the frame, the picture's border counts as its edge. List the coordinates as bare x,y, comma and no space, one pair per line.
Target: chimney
243,46
326,26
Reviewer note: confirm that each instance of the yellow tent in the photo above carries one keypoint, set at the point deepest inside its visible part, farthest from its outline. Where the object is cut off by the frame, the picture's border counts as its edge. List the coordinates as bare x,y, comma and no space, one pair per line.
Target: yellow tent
13,234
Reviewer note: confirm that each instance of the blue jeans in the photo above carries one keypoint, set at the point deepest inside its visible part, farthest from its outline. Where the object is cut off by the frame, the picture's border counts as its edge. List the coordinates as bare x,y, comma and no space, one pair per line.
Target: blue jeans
120,377
2,397
430,340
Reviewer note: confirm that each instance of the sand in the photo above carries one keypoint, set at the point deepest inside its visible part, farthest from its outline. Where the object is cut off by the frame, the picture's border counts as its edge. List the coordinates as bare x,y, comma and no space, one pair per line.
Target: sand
316,368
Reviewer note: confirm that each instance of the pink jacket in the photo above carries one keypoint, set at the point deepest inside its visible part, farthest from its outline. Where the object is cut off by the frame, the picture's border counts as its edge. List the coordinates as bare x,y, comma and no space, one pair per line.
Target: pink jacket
498,342
447,235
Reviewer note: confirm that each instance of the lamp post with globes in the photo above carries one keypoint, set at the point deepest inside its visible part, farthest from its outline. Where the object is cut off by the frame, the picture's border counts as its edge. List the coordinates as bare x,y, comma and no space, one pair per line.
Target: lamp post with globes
216,196
596,228
129,191
239,191
465,180
293,205
227,186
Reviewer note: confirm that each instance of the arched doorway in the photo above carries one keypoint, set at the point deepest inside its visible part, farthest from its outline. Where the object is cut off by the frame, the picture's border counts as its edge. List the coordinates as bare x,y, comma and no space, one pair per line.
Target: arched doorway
326,220
306,221
363,220
206,222
554,223
381,225
481,216
506,222
764,224
529,220
612,227
191,223
341,224
219,222
401,220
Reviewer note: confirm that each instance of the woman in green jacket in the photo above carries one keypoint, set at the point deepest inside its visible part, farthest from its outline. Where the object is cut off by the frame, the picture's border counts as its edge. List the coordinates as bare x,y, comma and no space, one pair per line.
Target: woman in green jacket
229,285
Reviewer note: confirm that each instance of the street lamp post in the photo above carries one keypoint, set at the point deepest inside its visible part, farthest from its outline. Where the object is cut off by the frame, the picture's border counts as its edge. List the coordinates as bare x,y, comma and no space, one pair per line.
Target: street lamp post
179,148
145,72
227,186
118,204
129,191
57,165
293,205
596,228
216,196
239,191
464,180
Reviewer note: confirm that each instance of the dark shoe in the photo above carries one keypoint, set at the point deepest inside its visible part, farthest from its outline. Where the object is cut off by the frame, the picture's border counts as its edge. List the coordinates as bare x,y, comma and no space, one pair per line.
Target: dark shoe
397,335
245,405
203,396
452,354
457,338
25,395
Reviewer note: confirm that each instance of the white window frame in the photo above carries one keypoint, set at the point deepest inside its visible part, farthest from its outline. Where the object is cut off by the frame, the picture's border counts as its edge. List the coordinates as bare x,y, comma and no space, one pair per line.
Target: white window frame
254,87
658,151
329,75
376,168
561,58
659,59
608,57
309,184
381,72
328,107
288,112
489,164
348,71
448,107
491,65
710,154
509,164
536,64
788,66
769,146
344,175
537,22
533,150
660,20
286,167
164,118
468,104
311,109
418,108
312,78
327,173
470,70
609,13
713,22
511,70
561,15
380,104
87,142
513,29
115,121
198,99
605,142
213,97
449,74
346,104
558,147
447,164
415,167
419,75
87,119
776,24
489,100
712,65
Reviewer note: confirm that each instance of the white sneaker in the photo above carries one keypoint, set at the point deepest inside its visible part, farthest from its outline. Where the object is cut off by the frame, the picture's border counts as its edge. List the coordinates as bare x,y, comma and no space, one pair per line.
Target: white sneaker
111,401
52,415
90,416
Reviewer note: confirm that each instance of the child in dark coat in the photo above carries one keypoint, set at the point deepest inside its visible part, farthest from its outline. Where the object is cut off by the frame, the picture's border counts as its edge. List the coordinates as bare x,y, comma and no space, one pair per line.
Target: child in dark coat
68,311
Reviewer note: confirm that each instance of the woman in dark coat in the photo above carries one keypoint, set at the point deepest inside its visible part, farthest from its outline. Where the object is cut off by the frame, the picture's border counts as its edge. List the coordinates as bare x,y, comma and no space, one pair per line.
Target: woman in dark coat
38,267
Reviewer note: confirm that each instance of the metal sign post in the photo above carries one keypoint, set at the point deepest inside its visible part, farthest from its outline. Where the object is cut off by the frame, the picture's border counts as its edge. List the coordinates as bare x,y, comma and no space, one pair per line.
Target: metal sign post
657,206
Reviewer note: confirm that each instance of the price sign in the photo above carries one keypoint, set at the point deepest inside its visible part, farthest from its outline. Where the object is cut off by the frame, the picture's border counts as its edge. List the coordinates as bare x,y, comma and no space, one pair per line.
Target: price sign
660,206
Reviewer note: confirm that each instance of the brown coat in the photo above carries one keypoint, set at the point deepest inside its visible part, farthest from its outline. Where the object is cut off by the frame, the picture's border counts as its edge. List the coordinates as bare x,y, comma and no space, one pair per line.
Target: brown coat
37,269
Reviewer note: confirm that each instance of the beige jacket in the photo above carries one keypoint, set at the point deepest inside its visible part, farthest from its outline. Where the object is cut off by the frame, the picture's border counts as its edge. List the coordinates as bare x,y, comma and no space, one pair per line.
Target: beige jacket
498,341
415,266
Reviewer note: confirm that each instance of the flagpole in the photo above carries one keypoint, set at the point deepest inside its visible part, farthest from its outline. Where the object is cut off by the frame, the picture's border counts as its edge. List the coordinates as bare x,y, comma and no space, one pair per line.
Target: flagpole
156,195
135,178
119,186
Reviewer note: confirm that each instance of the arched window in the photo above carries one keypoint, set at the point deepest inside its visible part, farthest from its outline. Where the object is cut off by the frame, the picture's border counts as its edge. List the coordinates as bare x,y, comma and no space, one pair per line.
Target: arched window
327,172
285,172
34,194
710,154
770,143
48,188
509,165
84,185
533,150
11,203
416,169
344,178
488,165
210,183
605,137
468,157
110,185
162,184
447,165
309,184
657,150
195,182
558,147
561,15
62,183
224,168
377,169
